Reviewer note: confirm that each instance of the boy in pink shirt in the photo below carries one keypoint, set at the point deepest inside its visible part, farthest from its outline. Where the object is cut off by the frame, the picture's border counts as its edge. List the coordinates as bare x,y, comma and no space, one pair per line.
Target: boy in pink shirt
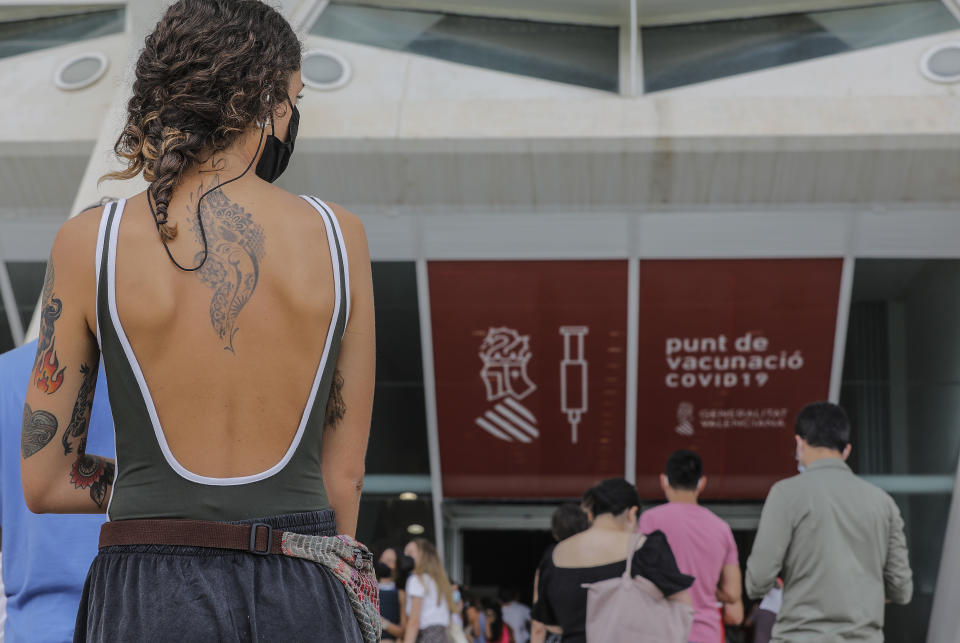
702,544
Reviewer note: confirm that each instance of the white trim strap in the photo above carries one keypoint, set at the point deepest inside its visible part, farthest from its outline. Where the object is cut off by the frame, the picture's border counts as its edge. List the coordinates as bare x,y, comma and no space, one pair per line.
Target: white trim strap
101,234
182,471
345,258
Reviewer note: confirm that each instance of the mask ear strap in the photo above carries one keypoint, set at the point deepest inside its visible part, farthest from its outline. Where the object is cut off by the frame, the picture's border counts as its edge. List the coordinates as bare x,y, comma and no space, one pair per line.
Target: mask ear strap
273,131
263,125
203,233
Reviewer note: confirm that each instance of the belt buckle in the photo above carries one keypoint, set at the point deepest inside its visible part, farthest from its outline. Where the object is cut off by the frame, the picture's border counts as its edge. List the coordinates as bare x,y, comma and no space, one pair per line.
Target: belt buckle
253,539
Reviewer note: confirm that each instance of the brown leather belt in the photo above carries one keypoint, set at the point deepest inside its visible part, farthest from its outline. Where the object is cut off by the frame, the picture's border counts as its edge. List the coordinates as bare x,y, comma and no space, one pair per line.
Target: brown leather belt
256,538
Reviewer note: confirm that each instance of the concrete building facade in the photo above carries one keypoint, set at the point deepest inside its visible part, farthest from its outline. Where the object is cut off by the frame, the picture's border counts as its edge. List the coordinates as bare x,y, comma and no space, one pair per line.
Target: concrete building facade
639,137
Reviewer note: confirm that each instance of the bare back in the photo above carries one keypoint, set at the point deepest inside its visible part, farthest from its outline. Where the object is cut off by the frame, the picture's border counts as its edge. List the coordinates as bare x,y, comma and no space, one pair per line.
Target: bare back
229,352
240,389
215,375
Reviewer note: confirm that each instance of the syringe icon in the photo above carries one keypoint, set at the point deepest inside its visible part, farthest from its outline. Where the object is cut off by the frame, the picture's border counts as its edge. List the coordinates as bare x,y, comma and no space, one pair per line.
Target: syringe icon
573,376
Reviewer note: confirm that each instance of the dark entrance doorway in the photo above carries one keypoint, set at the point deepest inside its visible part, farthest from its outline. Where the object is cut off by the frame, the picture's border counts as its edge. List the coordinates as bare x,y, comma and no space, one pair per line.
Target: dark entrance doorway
495,559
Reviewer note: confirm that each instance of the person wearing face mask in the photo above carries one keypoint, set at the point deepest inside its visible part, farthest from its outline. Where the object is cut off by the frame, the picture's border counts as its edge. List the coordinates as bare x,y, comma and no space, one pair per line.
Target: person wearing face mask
835,540
430,603
235,324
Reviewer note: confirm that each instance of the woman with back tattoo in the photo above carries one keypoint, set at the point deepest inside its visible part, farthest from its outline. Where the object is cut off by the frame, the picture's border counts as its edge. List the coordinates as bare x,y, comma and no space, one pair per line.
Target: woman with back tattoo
235,322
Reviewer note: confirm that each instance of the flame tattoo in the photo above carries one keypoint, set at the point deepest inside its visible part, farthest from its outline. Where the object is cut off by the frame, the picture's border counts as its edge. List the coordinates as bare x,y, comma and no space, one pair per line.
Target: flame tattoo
47,373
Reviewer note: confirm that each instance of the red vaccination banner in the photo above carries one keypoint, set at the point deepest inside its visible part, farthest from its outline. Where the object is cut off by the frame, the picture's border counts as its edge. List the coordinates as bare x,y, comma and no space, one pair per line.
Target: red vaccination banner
530,365
729,352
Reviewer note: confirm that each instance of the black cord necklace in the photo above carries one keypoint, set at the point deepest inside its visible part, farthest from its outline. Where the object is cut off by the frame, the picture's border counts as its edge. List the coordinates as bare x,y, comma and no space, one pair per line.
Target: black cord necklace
203,233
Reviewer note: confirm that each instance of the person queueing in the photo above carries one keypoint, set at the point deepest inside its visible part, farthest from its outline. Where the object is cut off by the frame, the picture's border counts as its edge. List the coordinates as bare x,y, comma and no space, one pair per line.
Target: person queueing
835,540
764,615
515,614
569,519
429,595
702,542
389,602
235,322
390,591
475,620
497,630
598,554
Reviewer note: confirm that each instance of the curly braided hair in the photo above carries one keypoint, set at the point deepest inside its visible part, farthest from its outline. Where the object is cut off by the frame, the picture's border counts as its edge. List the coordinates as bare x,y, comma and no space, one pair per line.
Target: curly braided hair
204,75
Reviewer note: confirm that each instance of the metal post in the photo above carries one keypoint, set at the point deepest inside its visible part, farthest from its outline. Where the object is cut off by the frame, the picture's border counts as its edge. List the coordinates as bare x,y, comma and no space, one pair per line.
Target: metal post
840,339
430,398
633,359
634,47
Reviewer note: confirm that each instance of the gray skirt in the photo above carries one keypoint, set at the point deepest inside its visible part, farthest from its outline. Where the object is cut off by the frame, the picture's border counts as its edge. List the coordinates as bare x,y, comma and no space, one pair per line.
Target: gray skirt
158,593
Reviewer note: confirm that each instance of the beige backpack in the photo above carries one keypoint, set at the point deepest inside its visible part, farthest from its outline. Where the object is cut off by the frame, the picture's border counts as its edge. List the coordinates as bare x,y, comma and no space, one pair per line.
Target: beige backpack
625,609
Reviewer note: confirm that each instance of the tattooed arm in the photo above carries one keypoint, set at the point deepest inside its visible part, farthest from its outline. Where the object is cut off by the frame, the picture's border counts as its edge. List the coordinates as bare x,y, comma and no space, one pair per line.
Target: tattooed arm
58,475
351,395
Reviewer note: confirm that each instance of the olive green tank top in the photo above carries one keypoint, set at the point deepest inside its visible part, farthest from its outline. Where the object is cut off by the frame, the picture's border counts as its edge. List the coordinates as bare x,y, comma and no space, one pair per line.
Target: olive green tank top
149,482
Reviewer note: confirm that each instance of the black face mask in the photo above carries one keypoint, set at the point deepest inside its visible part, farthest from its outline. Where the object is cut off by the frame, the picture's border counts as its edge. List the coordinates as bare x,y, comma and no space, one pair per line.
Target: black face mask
276,153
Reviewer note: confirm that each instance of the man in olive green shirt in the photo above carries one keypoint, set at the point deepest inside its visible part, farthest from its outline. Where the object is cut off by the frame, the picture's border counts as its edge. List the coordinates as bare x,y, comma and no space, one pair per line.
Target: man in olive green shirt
836,541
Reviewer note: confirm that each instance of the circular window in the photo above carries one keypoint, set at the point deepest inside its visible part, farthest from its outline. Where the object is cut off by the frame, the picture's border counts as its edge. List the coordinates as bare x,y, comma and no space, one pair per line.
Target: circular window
80,71
942,63
323,69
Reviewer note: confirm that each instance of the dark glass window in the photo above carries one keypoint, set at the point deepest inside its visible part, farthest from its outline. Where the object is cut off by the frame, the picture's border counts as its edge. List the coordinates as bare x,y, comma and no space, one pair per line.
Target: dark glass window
679,55
27,280
385,521
901,389
23,36
6,336
398,435
573,54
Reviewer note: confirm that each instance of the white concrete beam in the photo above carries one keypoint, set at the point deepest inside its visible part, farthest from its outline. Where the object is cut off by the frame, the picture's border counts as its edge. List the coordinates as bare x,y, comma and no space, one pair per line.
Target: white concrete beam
142,17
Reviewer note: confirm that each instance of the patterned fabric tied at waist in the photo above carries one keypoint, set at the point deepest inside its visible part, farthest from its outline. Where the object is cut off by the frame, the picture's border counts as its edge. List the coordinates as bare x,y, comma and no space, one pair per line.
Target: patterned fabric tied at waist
349,560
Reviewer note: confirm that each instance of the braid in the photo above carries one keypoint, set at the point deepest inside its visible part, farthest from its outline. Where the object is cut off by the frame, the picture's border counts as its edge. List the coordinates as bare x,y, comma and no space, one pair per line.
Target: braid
164,166
202,79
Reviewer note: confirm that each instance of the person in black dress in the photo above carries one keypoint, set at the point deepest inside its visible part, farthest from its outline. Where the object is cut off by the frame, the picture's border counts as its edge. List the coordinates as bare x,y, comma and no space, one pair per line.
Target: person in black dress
598,554
568,520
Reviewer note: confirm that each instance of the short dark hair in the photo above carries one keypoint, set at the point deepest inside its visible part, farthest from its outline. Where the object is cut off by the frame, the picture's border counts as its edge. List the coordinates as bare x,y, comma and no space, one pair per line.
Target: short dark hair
568,520
684,470
508,595
612,496
383,571
824,424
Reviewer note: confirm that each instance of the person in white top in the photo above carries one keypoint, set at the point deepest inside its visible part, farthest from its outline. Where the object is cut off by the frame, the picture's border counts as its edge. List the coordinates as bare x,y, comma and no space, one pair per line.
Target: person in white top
764,616
429,596
516,615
